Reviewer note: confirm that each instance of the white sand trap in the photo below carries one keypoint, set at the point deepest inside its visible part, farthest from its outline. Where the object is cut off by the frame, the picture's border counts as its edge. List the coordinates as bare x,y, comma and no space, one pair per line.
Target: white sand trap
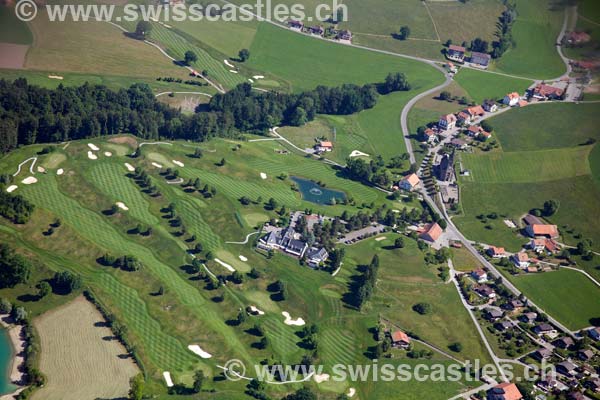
41,169
92,156
263,175
230,65
168,380
224,264
107,153
351,392
255,310
250,80
194,348
157,165
321,378
356,153
93,146
11,188
290,321
29,180
178,163
233,71
55,77
121,205
129,167
379,239
244,259
60,171
258,77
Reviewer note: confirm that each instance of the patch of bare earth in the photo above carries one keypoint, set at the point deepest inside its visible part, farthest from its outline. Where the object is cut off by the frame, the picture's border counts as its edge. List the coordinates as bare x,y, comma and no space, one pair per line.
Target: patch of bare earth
124,140
12,56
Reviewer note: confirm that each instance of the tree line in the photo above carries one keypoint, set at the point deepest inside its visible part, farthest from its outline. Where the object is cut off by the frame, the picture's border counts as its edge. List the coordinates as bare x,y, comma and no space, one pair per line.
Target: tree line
32,114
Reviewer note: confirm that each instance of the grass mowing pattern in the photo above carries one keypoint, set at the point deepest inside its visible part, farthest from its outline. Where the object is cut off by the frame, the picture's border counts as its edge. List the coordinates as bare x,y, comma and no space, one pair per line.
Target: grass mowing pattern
189,210
177,46
111,180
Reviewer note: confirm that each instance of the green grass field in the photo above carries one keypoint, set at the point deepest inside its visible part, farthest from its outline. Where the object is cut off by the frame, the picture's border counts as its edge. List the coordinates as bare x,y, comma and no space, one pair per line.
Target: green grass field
535,32
13,30
550,291
480,85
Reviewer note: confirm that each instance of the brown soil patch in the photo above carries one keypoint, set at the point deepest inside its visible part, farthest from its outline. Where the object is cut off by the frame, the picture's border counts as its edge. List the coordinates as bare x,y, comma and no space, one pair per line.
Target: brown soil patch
12,56
124,140
592,89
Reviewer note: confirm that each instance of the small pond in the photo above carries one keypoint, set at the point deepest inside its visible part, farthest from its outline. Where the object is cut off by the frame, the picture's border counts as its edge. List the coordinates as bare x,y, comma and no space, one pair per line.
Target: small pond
315,193
6,354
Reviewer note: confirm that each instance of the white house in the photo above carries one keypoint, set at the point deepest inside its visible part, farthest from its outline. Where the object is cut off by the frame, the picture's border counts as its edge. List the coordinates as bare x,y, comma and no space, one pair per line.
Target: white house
447,122
521,260
511,99
409,182
490,106
479,275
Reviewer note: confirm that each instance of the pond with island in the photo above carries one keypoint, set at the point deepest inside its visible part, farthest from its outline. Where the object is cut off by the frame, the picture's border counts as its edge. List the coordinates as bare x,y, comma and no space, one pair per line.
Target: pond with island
315,193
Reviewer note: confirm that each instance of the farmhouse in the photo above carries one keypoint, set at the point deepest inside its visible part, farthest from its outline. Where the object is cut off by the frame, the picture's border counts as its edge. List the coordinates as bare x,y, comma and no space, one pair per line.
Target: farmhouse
296,25
541,245
477,131
511,99
409,182
504,391
479,275
531,220
546,92
521,260
481,59
431,232
542,230
400,339
317,30
496,252
464,117
544,329
490,106
345,35
475,111
323,147
574,38
447,122
456,53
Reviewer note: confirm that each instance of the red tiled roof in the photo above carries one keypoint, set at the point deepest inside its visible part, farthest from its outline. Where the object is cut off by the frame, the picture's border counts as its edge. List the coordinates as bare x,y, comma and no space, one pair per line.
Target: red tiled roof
326,144
511,392
413,179
513,95
448,117
457,48
543,230
497,250
433,231
476,110
400,336
522,256
546,90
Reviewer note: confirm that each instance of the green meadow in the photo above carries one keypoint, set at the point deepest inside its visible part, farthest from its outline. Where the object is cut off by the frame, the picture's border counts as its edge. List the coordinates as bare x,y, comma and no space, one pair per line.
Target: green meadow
13,30
481,85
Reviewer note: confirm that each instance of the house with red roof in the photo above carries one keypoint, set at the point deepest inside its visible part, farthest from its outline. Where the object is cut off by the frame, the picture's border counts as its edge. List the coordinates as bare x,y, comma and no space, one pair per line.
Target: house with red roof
324,146
431,232
511,99
496,252
409,182
447,122
504,391
521,260
542,230
456,53
479,275
543,91
400,339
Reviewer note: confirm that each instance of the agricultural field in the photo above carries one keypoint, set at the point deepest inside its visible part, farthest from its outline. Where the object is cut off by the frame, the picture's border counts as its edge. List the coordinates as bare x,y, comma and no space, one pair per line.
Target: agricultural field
549,291
79,356
535,32
13,30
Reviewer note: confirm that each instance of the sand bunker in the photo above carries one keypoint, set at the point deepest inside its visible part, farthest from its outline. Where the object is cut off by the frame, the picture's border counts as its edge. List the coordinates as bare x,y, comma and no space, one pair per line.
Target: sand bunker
356,153
129,167
29,180
60,171
121,205
93,146
321,378
92,156
41,169
263,175
255,310
178,163
230,65
351,392
233,71
55,77
290,321
107,153
379,239
168,380
224,264
258,77
244,259
194,348
157,165
250,80
11,188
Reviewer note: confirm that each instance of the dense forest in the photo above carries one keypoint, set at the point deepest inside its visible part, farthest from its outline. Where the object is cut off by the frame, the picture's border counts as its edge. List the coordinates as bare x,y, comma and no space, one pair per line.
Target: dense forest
31,114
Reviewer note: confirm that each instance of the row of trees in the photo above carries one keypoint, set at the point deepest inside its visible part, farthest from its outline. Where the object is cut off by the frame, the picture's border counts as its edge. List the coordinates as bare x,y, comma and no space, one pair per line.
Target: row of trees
14,207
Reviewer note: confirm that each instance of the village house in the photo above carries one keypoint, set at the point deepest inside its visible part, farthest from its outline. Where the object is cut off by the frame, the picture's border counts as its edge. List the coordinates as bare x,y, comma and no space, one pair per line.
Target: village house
400,340
317,30
456,53
296,25
585,355
431,232
429,136
521,260
544,329
480,59
543,91
503,326
490,106
564,342
542,230
475,111
485,291
576,396
409,182
478,132
504,391
567,368
496,252
493,314
548,383
514,305
511,99
459,144
324,146
542,354
447,122
479,275
344,35
575,38
543,245
522,103
452,68
528,317
593,385
464,117
594,333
